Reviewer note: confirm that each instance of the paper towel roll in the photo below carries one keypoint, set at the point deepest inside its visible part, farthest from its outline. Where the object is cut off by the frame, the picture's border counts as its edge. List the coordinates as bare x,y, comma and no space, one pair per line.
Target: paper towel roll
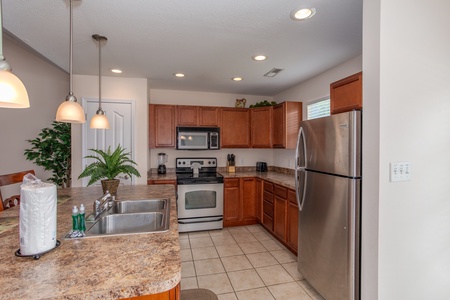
38,203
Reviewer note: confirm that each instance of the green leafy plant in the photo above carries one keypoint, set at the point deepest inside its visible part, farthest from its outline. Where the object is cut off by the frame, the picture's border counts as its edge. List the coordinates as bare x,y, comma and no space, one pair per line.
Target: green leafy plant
52,150
263,103
108,165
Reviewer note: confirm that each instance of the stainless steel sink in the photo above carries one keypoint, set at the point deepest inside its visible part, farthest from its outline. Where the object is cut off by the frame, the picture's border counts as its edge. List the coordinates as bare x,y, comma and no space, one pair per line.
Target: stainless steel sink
135,206
129,223
130,217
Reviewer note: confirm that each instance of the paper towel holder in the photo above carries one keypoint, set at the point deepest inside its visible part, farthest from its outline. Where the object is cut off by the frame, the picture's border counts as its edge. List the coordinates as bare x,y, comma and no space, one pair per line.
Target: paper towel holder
37,255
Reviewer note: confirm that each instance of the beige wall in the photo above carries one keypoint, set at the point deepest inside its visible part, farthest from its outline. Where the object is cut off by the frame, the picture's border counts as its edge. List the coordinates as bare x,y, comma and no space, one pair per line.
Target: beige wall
406,225
47,87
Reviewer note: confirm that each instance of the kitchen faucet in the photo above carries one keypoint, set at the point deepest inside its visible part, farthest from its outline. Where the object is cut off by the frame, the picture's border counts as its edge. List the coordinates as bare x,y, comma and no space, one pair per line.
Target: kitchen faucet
101,204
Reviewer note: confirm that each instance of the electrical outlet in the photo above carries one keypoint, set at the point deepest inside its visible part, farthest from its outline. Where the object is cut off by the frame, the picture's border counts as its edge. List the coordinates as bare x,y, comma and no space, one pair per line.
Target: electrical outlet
400,171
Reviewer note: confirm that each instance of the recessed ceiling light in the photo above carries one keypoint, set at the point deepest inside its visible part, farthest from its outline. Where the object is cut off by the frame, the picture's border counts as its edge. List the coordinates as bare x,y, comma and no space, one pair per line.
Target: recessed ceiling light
237,78
259,57
302,14
179,75
117,71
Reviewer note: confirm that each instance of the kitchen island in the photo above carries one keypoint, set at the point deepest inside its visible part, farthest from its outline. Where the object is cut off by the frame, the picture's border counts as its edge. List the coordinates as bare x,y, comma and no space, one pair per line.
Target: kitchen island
111,267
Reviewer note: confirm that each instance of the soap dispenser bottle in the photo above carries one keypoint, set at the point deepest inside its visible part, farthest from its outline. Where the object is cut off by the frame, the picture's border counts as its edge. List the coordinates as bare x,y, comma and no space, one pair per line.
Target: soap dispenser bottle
82,220
75,222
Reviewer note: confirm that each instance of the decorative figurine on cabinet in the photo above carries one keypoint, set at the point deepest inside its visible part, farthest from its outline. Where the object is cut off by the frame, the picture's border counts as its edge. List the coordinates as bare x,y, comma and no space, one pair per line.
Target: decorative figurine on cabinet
240,103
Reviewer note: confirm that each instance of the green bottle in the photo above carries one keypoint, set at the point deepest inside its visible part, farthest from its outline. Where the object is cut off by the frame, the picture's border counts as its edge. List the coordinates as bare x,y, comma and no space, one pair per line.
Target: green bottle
75,222
82,220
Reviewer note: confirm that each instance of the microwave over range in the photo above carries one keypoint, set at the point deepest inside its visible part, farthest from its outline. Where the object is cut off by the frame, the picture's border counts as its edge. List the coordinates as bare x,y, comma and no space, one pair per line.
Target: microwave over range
198,138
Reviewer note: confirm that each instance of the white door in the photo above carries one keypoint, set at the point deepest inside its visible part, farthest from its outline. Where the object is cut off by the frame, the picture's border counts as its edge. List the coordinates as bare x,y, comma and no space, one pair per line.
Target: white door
120,114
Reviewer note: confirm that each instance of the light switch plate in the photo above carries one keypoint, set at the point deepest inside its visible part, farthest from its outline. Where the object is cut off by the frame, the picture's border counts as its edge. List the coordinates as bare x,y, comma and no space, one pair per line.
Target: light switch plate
400,171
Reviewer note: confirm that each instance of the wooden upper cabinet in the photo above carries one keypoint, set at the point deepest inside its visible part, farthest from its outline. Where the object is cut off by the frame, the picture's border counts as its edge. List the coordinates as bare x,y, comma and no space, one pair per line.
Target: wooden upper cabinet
346,94
162,126
187,115
197,116
208,116
235,127
261,126
286,121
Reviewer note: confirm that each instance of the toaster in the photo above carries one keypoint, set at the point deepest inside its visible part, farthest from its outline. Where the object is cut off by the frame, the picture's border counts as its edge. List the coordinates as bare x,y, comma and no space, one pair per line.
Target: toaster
261,166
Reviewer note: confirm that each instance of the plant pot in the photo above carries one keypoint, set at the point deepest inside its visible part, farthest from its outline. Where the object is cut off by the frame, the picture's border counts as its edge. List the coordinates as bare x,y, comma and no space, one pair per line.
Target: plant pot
111,186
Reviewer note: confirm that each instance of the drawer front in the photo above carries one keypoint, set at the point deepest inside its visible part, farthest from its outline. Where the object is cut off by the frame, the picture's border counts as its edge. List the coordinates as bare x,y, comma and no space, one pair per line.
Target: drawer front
268,186
268,208
268,197
280,191
292,197
231,182
268,222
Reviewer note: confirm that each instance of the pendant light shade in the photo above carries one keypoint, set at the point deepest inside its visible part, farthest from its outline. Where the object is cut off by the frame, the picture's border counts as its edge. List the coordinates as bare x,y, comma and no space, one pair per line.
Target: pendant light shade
12,91
99,121
70,111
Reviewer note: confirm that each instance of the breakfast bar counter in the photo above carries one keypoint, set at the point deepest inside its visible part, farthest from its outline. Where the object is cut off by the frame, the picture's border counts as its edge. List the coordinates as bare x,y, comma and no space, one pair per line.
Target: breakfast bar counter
107,267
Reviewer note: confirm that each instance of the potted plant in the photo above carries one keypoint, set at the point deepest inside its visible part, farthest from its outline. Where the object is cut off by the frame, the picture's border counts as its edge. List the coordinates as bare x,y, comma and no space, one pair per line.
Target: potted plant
107,166
52,151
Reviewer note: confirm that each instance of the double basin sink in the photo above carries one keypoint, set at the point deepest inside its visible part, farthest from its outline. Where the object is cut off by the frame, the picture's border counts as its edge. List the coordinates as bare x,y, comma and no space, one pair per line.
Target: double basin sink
130,217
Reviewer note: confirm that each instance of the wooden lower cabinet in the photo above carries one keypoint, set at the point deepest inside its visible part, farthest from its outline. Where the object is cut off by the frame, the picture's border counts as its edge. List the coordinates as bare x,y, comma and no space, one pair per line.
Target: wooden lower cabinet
231,201
249,200
173,294
292,225
259,199
267,218
239,201
280,211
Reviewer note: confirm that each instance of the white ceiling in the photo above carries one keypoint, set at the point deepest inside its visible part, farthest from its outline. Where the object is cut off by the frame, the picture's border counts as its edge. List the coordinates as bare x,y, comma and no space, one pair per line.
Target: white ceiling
210,41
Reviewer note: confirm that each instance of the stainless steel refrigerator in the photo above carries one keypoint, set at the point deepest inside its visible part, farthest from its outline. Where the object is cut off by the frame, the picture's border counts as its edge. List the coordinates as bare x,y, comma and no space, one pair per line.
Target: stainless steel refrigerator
328,187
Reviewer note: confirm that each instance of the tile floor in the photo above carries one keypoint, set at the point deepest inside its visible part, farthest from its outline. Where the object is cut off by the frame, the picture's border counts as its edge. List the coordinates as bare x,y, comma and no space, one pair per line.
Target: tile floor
242,262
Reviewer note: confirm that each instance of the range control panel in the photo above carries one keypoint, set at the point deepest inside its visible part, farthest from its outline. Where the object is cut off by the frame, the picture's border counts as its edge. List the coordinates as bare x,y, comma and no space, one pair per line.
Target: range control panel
184,164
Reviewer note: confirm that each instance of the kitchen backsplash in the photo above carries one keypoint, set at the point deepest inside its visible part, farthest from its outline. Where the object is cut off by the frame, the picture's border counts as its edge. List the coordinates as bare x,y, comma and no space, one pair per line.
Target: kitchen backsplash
238,169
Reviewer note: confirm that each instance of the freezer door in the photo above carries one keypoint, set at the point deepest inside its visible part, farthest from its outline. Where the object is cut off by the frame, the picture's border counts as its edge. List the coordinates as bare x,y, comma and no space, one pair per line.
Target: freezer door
328,245
332,144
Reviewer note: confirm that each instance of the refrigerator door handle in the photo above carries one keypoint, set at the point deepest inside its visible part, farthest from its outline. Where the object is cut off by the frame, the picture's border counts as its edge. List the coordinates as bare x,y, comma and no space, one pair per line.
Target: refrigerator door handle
300,194
300,164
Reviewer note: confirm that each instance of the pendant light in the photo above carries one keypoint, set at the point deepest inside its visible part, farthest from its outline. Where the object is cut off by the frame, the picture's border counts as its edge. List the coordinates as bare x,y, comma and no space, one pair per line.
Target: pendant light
12,91
70,111
99,121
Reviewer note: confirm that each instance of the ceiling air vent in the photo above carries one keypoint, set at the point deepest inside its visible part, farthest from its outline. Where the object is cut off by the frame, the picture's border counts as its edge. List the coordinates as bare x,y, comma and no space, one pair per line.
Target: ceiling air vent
273,72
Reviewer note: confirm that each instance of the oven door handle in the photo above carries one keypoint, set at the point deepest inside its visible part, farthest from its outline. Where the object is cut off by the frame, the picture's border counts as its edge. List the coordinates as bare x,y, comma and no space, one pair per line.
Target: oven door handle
200,220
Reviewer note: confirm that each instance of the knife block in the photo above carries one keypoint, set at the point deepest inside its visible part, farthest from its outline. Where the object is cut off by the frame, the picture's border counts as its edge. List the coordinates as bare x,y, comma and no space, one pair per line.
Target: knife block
231,169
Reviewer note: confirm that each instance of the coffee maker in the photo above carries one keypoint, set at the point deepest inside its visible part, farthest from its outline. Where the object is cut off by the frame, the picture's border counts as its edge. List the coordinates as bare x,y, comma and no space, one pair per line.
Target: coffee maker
162,159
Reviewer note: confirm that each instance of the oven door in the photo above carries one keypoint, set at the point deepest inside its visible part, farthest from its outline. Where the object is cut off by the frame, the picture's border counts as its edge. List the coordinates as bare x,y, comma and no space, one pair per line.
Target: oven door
200,200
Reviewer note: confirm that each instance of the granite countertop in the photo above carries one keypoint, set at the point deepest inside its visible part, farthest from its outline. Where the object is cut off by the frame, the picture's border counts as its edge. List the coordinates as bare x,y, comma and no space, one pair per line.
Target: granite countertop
284,177
92,268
